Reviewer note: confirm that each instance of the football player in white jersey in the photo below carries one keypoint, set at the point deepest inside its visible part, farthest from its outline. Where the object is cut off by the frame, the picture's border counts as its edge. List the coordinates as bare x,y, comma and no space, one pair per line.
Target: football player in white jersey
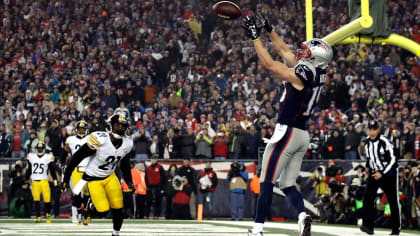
39,165
106,150
73,143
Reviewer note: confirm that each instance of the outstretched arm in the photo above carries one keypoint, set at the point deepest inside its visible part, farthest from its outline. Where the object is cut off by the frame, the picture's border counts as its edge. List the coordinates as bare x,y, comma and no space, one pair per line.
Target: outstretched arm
279,45
282,49
281,70
126,170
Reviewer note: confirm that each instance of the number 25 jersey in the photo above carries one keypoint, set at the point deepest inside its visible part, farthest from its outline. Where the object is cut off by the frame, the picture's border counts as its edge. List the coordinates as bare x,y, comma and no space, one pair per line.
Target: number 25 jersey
39,165
107,156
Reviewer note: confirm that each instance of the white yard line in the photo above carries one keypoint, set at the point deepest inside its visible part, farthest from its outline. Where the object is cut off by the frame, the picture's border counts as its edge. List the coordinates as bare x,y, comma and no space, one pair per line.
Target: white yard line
187,228
333,230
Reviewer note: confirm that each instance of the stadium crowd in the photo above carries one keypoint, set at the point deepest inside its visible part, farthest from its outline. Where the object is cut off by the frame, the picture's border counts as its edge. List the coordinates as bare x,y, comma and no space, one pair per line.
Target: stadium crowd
189,81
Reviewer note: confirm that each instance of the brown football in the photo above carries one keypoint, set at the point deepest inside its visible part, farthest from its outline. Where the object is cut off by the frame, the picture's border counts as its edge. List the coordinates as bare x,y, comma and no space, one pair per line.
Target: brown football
227,10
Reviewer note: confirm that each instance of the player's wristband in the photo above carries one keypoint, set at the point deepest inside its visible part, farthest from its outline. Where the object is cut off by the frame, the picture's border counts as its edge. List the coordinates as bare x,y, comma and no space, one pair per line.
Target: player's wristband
254,40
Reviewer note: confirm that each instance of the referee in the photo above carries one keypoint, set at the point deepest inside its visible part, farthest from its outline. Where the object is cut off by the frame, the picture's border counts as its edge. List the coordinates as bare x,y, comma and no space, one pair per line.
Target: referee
383,173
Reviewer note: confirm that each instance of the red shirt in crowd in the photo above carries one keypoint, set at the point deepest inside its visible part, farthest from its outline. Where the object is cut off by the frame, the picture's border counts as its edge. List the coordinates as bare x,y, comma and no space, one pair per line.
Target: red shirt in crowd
191,123
213,178
183,196
17,141
153,174
417,148
220,145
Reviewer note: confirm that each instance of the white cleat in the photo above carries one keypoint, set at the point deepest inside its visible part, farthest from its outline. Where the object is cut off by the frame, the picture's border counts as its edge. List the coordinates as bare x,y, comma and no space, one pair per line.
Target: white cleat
252,234
305,222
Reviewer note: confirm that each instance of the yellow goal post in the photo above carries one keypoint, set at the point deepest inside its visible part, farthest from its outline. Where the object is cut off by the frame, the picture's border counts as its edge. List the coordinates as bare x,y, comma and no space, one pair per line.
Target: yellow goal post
348,34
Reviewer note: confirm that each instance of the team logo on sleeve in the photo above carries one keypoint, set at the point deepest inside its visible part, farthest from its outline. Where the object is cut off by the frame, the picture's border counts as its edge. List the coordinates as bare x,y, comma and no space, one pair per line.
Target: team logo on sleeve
304,72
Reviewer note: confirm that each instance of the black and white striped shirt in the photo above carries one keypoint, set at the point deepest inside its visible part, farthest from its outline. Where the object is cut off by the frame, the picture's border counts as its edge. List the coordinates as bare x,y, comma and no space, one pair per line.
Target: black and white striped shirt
380,155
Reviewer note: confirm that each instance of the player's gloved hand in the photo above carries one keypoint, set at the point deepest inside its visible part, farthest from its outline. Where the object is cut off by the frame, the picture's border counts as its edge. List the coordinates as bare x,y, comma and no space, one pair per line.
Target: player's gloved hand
64,186
131,188
263,22
250,27
55,183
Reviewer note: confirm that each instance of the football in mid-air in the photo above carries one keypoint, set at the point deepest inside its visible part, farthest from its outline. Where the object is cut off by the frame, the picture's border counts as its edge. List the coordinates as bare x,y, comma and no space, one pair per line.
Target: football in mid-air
227,10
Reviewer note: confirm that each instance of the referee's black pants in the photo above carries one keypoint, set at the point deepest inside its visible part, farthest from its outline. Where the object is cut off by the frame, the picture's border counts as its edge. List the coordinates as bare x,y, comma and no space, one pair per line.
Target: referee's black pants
389,184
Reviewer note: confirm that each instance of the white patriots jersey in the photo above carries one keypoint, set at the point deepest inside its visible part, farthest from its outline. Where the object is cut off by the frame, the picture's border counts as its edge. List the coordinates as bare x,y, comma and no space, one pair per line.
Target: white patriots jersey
106,158
39,165
75,143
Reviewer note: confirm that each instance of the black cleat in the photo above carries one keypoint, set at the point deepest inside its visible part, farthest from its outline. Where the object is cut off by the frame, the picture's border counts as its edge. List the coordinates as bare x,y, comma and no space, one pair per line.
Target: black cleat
366,229
395,232
252,234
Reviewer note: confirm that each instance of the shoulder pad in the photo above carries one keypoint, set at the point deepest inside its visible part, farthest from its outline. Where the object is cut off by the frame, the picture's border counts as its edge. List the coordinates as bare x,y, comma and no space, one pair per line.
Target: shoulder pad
68,139
129,141
306,72
96,139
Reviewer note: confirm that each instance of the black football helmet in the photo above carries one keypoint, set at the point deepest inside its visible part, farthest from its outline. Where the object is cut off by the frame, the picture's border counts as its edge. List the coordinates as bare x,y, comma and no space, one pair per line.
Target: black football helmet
81,129
118,131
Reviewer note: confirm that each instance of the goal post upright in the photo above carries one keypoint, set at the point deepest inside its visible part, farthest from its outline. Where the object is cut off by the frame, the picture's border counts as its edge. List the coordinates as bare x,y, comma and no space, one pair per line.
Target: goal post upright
354,27
309,20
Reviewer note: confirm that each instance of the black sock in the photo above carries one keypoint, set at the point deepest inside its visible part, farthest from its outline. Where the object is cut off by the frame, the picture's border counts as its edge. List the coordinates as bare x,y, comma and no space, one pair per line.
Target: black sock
264,202
117,218
47,207
37,208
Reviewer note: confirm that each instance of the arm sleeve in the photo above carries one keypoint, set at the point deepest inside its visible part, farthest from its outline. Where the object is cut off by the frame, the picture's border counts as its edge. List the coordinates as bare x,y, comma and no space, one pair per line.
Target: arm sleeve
52,168
389,152
162,177
215,181
63,156
28,171
126,170
81,154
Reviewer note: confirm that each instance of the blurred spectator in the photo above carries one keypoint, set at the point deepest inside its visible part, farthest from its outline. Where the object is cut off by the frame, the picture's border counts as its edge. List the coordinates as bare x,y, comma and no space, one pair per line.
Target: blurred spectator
134,204
251,141
255,188
156,180
182,198
315,144
237,178
388,68
220,145
20,199
203,145
335,146
142,143
208,184
234,148
189,172
5,141
320,185
351,143
17,150
170,191
188,146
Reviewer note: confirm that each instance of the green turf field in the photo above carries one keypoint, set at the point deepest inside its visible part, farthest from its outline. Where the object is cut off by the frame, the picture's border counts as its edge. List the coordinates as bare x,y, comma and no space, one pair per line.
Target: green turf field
64,227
